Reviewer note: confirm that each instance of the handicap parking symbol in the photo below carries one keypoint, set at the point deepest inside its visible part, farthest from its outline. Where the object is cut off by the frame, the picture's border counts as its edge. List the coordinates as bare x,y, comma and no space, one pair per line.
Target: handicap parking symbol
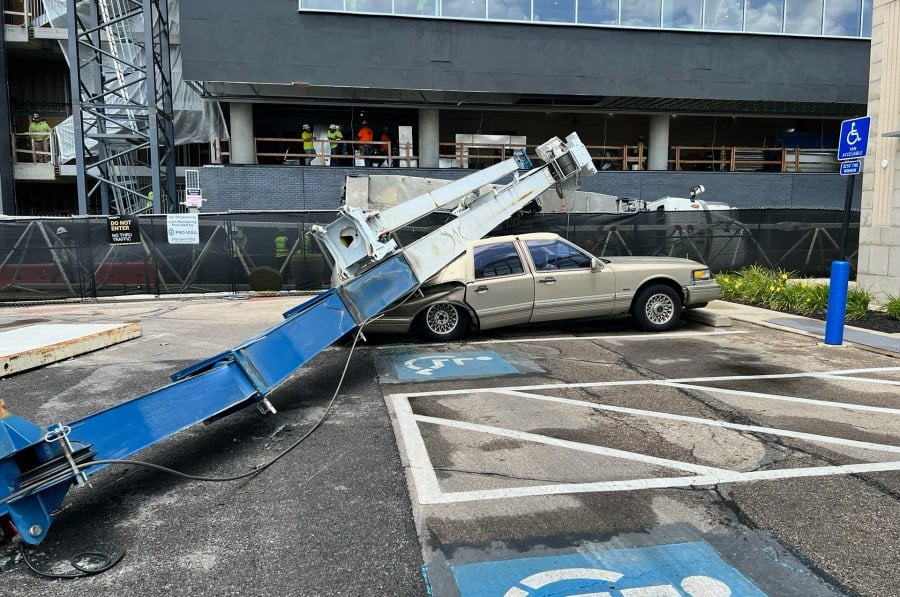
423,366
680,570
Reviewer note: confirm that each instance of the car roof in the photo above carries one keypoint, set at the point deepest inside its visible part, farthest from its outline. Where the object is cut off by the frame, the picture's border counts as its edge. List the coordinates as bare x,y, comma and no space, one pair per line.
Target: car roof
511,237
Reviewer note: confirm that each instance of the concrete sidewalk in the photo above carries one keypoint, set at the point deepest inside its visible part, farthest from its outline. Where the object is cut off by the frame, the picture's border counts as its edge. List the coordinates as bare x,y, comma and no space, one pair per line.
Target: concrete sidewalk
888,344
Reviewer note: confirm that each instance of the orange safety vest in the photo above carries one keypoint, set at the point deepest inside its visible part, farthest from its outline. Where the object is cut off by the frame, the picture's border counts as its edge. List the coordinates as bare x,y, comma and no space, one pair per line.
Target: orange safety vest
364,134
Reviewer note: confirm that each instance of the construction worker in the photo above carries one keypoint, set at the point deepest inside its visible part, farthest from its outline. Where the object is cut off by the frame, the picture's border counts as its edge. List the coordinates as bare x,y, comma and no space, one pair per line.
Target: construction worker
366,136
281,248
334,135
63,250
385,147
308,147
150,201
40,132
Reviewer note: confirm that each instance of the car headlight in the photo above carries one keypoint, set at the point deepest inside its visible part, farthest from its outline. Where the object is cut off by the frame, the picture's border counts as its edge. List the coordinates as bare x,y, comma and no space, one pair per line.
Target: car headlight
701,274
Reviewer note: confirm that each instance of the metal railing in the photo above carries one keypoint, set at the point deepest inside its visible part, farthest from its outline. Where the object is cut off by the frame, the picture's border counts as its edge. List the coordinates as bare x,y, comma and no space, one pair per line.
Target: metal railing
35,148
28,149
16,13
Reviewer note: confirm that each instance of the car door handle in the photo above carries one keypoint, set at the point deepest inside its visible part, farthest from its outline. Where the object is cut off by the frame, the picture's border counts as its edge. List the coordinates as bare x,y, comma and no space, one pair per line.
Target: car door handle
482,289
547,280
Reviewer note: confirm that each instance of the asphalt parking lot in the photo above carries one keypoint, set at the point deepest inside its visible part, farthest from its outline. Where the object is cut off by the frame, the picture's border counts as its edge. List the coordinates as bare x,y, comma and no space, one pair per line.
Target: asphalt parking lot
568,459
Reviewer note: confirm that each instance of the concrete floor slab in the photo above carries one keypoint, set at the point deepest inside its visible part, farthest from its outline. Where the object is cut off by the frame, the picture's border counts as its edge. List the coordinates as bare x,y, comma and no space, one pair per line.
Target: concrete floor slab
37,345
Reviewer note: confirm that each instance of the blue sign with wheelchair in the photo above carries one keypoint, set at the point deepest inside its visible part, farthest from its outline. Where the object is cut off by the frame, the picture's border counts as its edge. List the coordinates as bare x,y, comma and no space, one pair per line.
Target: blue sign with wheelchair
452,364
692,569
854,140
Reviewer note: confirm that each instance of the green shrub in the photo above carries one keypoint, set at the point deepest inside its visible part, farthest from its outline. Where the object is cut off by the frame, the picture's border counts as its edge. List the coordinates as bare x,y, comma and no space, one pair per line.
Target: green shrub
858,303
771,288
815,299
791,297
892,307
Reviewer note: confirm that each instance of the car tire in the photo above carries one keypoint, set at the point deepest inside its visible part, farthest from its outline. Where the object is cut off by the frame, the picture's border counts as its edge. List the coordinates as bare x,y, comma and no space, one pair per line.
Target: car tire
657,308
443,322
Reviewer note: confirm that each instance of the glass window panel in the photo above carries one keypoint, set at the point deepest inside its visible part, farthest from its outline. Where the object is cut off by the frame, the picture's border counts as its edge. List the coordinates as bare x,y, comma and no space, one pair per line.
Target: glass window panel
682,14
804,16
368,5
322,4
598,12
428,8
764,16
867,18
554,11
555,254
466,9
640,13
724,15
500,259
510,10
842,17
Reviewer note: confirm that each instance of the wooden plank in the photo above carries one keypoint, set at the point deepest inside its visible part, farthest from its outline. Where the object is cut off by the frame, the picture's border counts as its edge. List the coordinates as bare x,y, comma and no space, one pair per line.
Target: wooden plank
37,345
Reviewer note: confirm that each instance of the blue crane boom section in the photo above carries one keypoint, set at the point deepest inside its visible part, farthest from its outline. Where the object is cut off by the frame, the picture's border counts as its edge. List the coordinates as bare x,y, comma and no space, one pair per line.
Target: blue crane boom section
39,465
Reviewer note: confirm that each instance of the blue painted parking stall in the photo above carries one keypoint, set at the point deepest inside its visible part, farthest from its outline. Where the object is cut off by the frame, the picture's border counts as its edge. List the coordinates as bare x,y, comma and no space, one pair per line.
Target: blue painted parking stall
451,365
679,570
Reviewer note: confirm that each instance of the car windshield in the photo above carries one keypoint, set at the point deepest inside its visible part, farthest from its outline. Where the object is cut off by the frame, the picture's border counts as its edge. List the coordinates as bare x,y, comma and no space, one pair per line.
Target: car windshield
556,254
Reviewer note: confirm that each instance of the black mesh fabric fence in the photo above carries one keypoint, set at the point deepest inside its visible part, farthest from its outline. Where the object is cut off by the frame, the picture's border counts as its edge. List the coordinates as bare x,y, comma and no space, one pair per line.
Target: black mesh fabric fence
45,259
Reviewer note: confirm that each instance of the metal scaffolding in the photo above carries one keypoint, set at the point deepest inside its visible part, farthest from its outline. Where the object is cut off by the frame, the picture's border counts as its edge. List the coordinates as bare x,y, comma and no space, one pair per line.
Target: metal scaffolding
122,105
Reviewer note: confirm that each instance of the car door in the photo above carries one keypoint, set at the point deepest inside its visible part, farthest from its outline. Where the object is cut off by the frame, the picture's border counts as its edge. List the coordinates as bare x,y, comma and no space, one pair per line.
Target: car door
565,285
502,291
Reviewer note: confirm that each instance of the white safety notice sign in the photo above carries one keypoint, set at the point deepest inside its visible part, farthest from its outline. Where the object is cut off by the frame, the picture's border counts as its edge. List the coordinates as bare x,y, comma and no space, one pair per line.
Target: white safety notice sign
183,229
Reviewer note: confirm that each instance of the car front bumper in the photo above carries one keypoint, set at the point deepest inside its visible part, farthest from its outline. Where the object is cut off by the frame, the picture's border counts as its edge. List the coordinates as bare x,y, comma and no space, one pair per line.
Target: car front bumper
702,292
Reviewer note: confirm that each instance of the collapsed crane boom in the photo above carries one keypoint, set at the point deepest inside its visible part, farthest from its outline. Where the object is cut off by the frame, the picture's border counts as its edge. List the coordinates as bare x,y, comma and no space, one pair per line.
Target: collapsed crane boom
38,465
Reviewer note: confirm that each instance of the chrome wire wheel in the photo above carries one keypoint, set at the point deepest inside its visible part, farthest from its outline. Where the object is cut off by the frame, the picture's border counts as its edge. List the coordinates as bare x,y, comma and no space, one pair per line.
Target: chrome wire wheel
442,319
659,309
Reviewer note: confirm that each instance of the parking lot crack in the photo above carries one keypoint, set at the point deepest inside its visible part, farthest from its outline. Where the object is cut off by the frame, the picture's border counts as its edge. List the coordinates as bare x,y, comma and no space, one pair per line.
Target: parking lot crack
495,475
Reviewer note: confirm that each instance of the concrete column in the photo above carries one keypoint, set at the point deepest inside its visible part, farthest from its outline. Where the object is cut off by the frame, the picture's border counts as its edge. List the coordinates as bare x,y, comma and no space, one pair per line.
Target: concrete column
658,154
878,267
429,137
242,144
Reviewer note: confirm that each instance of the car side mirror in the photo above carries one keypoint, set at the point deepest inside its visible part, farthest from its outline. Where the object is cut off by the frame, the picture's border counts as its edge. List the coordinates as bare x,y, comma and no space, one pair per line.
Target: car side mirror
596,265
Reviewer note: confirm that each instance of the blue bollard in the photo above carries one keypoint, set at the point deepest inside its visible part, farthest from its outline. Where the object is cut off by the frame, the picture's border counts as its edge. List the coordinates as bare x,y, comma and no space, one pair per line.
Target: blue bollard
837,302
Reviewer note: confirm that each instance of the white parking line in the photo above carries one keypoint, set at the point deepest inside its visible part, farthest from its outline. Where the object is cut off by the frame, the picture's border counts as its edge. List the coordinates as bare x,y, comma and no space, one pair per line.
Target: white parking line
429,492
748,394
634,382
581,447
645,336
865,379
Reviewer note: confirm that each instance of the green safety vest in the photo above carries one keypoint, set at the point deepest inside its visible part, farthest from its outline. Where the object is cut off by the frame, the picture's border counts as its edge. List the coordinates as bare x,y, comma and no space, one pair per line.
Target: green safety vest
307,139
40,127
281,249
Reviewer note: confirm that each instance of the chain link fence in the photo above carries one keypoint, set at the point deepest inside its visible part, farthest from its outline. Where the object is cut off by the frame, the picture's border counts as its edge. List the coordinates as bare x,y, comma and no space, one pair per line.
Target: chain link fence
56,258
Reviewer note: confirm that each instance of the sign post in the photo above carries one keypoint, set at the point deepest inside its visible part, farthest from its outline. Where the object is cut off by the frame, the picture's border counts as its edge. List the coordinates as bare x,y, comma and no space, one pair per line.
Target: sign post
852,146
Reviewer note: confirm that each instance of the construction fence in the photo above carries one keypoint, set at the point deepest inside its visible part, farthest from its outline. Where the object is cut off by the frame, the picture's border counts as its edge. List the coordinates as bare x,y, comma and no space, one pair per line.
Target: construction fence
57,258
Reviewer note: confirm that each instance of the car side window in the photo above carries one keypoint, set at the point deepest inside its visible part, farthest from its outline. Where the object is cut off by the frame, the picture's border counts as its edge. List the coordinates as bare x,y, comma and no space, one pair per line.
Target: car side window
499,259
554,254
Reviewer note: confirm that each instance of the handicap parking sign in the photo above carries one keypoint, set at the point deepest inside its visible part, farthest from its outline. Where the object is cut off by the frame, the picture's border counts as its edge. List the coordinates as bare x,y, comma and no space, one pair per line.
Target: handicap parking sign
692,569
462,364
854,140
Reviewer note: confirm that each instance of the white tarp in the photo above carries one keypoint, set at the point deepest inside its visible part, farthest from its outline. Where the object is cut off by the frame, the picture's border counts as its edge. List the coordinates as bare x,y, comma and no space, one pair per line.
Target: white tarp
196,120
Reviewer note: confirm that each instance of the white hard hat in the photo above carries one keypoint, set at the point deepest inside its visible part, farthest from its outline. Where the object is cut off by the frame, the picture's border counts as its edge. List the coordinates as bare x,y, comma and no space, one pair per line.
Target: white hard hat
306,126
61,230
332,126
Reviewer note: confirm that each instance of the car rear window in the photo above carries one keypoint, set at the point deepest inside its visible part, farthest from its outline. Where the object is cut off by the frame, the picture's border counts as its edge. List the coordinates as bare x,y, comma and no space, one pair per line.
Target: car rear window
499,259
